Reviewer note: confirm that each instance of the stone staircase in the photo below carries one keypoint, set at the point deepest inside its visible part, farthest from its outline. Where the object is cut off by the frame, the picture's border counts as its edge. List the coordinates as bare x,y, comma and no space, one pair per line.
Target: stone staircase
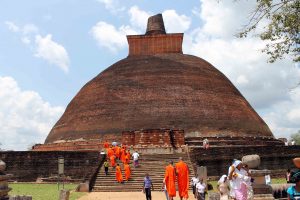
153,164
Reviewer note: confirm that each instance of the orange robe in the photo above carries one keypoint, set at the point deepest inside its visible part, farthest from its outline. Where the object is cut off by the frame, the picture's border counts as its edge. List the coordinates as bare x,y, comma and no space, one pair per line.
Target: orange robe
123,155
127,157
112,161
110,152
119,177
170,177
127,171
106,145
118,151
182,179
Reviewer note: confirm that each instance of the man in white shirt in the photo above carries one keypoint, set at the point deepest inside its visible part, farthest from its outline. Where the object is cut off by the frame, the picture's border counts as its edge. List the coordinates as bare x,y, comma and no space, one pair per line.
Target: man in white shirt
194,181
135,156
200,190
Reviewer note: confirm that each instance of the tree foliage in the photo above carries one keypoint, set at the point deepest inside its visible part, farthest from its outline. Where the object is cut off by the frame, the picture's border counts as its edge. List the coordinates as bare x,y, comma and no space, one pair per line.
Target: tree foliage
282,31
296,137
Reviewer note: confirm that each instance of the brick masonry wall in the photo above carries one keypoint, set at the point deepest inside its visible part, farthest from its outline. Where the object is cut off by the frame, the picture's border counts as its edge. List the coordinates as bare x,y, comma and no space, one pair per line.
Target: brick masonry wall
154,137
155,44
218,159
29,165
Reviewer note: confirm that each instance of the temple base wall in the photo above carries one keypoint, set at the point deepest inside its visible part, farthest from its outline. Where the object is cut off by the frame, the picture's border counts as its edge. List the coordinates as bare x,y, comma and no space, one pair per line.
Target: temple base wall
218,159
29,165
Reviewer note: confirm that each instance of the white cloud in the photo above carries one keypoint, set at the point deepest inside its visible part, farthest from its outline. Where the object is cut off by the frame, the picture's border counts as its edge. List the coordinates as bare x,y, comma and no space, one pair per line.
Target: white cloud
29,29
139,18
112,5
109,37
25,118
25,40
265,86
52,52
43,47
12,26
175,23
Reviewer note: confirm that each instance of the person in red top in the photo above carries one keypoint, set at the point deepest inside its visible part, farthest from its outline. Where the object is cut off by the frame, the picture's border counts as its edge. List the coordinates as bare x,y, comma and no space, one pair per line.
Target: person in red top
106,145
182,171
170,177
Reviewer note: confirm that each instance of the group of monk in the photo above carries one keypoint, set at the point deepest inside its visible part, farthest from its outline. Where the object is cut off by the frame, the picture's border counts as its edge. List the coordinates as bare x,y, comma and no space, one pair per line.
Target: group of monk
121,153
179,172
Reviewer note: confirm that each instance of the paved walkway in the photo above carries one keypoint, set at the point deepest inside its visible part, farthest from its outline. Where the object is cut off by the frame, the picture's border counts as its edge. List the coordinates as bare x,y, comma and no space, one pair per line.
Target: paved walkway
125,196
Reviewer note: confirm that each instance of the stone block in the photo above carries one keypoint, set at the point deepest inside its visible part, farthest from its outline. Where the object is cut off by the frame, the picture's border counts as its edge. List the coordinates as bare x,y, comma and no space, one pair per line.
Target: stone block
253,161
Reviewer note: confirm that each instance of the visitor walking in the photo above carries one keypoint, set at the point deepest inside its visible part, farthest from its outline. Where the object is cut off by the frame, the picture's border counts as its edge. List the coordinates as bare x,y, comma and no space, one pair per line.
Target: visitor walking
119,176
106,165
294,191
223,188
194,181
200,190
147,187
135,156
238,177
170,177
182,172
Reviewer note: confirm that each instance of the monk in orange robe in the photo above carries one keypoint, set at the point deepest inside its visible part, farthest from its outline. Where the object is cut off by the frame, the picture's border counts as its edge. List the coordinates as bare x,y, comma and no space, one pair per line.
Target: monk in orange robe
127,157
182,172
123,155
106,145
112,161
119,176
170,178
110,152
127,171
118,152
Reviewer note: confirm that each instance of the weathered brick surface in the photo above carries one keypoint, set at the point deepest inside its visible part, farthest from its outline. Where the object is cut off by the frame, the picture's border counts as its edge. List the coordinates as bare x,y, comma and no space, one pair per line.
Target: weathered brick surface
162,91
155,44
28,165
218,159
154,137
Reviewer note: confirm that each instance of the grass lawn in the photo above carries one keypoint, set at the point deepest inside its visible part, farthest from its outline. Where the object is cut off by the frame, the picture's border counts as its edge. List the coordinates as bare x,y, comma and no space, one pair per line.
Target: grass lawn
43,191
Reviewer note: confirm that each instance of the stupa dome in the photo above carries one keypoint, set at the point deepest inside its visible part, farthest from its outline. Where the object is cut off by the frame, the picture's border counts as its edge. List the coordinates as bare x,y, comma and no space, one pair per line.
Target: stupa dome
157,86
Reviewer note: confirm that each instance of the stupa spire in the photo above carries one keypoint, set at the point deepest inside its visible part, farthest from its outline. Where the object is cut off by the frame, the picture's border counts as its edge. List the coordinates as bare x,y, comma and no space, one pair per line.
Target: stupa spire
155,25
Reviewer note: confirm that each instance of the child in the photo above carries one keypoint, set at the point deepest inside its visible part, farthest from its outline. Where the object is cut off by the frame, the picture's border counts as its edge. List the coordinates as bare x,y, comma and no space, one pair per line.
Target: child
294,191
106,164
194,182
147,187
200,190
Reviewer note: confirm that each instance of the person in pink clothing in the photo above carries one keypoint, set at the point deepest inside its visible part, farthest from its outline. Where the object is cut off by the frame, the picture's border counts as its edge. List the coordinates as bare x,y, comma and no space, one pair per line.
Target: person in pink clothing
239,178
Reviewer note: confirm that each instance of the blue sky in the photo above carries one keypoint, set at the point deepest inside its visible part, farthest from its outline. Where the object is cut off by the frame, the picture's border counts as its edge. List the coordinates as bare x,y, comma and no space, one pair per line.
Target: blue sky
50,49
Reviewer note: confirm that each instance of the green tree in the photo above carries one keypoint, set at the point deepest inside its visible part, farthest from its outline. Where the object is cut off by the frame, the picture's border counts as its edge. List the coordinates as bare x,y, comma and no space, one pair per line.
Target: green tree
282,32
296,137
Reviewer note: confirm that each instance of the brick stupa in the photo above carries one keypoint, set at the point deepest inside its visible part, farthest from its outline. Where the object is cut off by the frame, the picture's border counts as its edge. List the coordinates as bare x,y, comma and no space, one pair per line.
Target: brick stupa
157,87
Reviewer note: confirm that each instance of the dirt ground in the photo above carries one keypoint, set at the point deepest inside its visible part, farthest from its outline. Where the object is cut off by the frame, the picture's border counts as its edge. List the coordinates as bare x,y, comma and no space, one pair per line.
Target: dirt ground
125,196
